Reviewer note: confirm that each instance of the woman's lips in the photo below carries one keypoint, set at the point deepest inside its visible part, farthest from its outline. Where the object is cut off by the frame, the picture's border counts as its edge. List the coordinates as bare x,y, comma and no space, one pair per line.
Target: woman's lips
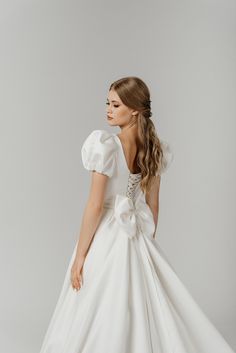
109,117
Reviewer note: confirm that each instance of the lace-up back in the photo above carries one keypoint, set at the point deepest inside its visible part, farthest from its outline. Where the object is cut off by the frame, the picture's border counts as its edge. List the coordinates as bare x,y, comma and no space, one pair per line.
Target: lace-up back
132,185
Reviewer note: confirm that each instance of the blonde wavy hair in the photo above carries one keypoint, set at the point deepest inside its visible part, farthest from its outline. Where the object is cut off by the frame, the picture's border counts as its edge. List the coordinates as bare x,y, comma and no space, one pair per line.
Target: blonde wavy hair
135,94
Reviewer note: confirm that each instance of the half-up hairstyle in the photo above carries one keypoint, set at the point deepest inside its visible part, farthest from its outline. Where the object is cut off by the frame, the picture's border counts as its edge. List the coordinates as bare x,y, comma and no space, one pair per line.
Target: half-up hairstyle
135,94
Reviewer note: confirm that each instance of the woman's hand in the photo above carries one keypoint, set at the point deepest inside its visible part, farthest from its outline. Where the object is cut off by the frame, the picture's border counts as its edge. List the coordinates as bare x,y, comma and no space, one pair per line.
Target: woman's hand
77,273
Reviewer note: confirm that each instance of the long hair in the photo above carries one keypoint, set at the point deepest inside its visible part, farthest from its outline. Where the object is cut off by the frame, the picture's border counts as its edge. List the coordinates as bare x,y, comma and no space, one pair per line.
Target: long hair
135,94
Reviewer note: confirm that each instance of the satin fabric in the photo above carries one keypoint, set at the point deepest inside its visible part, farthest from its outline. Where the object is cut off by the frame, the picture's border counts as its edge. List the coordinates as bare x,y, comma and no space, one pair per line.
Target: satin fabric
132,300
133,216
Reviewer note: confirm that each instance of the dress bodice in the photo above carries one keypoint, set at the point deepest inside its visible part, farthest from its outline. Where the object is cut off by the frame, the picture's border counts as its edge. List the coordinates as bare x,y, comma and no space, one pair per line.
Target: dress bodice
102,151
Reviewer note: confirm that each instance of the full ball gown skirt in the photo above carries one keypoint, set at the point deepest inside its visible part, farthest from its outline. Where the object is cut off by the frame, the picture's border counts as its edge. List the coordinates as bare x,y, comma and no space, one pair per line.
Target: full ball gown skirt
132,300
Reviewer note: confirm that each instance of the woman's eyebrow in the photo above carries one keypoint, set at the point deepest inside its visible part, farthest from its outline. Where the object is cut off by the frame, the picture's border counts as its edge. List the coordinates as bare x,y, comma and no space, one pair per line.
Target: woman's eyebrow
113,101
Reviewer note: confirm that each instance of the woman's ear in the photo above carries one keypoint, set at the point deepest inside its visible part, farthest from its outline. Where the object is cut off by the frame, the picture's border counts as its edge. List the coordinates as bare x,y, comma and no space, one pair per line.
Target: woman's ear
135,112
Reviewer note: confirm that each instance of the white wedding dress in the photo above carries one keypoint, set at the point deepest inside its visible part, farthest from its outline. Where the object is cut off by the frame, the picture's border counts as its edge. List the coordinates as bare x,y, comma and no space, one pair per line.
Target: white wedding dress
132,300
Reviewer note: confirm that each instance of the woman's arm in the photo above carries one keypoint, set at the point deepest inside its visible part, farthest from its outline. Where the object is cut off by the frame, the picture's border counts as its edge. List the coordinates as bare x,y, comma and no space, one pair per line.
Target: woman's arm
92,213
152,199
91,217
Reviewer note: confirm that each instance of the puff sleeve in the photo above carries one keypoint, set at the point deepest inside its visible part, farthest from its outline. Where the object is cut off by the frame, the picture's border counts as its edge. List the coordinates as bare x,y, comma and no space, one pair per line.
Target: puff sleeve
167,158
98,152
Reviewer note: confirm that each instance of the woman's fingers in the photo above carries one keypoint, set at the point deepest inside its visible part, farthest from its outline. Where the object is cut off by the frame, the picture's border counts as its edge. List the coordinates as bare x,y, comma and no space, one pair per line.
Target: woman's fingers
75,286
76,281
77,273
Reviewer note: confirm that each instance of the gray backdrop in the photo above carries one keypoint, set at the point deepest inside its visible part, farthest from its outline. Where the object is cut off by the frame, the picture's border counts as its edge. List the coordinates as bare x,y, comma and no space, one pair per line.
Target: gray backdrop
58,59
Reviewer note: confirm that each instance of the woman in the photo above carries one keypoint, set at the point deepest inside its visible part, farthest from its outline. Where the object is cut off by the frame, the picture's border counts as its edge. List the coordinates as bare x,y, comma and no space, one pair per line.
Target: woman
120,293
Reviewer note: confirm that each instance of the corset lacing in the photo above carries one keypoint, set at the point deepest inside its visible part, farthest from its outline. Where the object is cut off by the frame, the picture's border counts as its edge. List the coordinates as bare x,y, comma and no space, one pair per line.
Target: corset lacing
133,181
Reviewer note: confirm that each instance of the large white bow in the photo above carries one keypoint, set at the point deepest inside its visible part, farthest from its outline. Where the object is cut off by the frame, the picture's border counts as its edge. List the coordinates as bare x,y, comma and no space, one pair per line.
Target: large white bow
134,216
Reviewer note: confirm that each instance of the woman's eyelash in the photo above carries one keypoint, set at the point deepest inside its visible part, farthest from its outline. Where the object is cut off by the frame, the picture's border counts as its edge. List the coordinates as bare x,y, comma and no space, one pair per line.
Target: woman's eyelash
116,106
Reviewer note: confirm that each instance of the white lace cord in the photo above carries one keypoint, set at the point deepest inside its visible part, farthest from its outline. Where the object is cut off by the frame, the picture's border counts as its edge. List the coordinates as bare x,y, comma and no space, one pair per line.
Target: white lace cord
131,185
